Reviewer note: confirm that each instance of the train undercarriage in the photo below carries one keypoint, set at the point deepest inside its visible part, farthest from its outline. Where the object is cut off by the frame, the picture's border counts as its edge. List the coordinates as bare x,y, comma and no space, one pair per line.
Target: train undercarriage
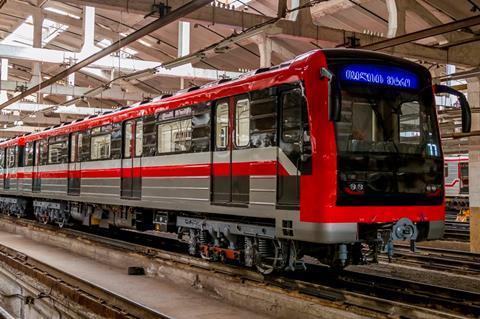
251,244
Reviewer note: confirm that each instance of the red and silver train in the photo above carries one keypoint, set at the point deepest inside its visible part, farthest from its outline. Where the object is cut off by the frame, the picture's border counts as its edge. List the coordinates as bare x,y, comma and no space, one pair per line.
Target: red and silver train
328,154
456,182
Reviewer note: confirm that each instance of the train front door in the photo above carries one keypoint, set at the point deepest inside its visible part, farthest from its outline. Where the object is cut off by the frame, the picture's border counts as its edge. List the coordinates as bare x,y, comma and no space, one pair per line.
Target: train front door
230,160
131,179
74,169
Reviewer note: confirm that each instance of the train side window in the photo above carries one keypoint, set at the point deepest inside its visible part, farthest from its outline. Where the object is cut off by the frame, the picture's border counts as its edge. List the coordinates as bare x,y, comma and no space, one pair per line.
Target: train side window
138,138
29,154
43,152
75,146
292,116
149,135
445,169
127,139
100,147
242,122
263,119
174,136
116,141
201,127
56,152
221,125
2,158
11,157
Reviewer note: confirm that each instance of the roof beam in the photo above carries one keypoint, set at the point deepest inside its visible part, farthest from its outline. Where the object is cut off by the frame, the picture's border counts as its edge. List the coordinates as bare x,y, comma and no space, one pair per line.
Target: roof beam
59,109
113,93
422,34
149,28
242,20
108,62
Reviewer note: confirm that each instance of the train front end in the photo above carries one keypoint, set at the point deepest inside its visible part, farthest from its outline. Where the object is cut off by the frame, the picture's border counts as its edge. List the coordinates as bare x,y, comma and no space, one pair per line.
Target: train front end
383,154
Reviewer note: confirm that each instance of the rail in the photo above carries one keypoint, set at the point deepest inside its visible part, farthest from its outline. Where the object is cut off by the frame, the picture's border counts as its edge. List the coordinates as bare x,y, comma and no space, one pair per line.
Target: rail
351,289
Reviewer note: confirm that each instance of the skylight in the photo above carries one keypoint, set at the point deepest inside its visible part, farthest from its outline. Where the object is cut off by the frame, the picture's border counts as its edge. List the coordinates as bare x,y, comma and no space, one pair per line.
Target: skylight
23,35
234,3
63,13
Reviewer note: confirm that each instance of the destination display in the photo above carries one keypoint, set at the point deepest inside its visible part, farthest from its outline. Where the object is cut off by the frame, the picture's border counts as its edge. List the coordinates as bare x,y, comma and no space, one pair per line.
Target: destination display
379,75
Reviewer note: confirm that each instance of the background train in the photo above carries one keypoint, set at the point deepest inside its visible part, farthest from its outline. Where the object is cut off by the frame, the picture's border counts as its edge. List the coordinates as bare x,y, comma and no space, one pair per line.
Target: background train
456,183
333,154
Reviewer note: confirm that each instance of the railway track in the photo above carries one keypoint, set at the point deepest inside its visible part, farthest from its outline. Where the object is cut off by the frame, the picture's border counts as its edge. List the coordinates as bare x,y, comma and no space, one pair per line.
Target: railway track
449,260
457,230
385,296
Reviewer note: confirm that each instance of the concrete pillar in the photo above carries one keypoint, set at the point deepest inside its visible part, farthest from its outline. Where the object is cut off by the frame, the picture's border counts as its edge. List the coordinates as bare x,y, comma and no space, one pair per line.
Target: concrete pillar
70,82
265,48
37,43
396,17
3,77
183,38
292,16
473,90
88,30
183,44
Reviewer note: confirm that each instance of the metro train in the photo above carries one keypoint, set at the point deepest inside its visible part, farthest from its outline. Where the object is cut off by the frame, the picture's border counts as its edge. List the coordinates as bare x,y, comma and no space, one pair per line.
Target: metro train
456,183
333,154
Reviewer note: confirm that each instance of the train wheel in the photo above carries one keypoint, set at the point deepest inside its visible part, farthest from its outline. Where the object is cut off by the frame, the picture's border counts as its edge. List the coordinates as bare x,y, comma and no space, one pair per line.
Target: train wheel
270,255
44,218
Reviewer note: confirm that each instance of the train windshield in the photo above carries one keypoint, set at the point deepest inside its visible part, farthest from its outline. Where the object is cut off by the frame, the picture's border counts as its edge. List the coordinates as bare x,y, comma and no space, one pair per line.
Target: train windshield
386,118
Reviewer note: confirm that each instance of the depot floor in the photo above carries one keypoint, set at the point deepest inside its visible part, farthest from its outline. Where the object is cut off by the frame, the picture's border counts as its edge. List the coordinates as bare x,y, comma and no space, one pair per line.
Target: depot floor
159,294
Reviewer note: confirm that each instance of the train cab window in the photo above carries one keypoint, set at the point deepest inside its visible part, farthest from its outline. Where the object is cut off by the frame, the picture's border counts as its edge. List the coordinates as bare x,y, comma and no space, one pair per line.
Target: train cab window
242,122
127,140
409,120
221,125
138,138
29,154
100,147
292,116
174,136
11,157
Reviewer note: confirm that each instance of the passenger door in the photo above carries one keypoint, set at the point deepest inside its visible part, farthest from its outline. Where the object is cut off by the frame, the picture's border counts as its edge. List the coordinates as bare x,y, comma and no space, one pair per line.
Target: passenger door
2,168
230,157
221,155
10,167
289,153
74,169
131,179
36,180
28,166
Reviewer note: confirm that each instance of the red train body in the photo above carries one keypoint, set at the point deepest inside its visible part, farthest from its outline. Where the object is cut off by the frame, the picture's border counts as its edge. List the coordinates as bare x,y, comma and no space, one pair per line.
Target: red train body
321,155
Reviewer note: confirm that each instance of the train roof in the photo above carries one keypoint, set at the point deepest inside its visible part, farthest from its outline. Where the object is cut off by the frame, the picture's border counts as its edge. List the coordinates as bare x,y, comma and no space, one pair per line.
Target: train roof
254,80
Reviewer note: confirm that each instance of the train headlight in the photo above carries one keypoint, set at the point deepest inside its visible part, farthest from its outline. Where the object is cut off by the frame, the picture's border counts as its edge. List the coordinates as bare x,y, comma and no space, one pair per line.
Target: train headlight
433,189
356,188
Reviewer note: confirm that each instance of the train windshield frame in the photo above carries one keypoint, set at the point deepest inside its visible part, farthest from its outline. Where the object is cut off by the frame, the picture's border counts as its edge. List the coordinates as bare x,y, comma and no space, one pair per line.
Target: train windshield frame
387,137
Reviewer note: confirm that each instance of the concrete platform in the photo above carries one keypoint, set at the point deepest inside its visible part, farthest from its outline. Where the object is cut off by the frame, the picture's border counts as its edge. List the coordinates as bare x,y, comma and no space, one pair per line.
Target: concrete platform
159,294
